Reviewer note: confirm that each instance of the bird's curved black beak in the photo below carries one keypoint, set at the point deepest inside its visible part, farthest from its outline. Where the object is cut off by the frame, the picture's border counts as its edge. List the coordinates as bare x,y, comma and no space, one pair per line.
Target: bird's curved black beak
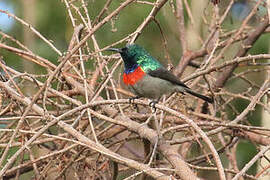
114,50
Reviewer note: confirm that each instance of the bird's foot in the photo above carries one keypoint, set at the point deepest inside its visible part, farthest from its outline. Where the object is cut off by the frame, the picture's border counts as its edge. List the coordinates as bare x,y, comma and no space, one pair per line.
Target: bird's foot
131,101
152,104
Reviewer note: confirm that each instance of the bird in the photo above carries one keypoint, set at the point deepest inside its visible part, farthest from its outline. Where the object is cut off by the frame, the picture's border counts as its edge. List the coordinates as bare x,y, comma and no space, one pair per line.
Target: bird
146,77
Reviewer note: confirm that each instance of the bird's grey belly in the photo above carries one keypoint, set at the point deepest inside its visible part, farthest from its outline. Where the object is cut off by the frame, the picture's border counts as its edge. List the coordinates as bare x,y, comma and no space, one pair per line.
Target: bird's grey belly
152,88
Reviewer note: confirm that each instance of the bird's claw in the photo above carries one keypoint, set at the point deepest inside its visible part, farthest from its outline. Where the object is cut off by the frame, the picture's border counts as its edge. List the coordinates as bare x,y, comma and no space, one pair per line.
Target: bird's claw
131,101
152,104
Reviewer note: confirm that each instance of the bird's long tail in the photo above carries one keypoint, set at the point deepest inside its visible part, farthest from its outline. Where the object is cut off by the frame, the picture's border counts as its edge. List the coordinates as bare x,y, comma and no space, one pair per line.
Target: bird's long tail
205,98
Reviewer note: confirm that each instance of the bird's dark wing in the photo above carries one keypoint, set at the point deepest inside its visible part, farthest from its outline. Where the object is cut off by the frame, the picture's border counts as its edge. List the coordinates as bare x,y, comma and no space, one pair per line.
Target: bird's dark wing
163,73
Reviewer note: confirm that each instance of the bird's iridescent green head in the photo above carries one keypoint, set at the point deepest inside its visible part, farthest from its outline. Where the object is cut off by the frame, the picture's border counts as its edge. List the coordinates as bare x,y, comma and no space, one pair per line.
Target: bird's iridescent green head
134,54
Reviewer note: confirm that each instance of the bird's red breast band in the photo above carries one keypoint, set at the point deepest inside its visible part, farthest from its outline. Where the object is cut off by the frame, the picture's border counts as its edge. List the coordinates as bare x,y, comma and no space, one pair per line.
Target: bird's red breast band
133,77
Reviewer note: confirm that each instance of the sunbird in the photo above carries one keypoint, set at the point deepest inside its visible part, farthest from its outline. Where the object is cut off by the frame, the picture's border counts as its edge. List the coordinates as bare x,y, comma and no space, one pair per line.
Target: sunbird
146,77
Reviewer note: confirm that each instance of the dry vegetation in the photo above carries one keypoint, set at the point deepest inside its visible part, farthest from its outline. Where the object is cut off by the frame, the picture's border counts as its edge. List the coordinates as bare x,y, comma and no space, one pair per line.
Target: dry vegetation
78,123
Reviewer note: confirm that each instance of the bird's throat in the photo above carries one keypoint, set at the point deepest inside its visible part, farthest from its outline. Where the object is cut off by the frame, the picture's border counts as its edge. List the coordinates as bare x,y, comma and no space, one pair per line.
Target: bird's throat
133,77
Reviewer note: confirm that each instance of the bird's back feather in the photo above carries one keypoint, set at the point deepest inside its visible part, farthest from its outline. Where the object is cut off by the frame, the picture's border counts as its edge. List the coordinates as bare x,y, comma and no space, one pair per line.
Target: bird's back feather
164,74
